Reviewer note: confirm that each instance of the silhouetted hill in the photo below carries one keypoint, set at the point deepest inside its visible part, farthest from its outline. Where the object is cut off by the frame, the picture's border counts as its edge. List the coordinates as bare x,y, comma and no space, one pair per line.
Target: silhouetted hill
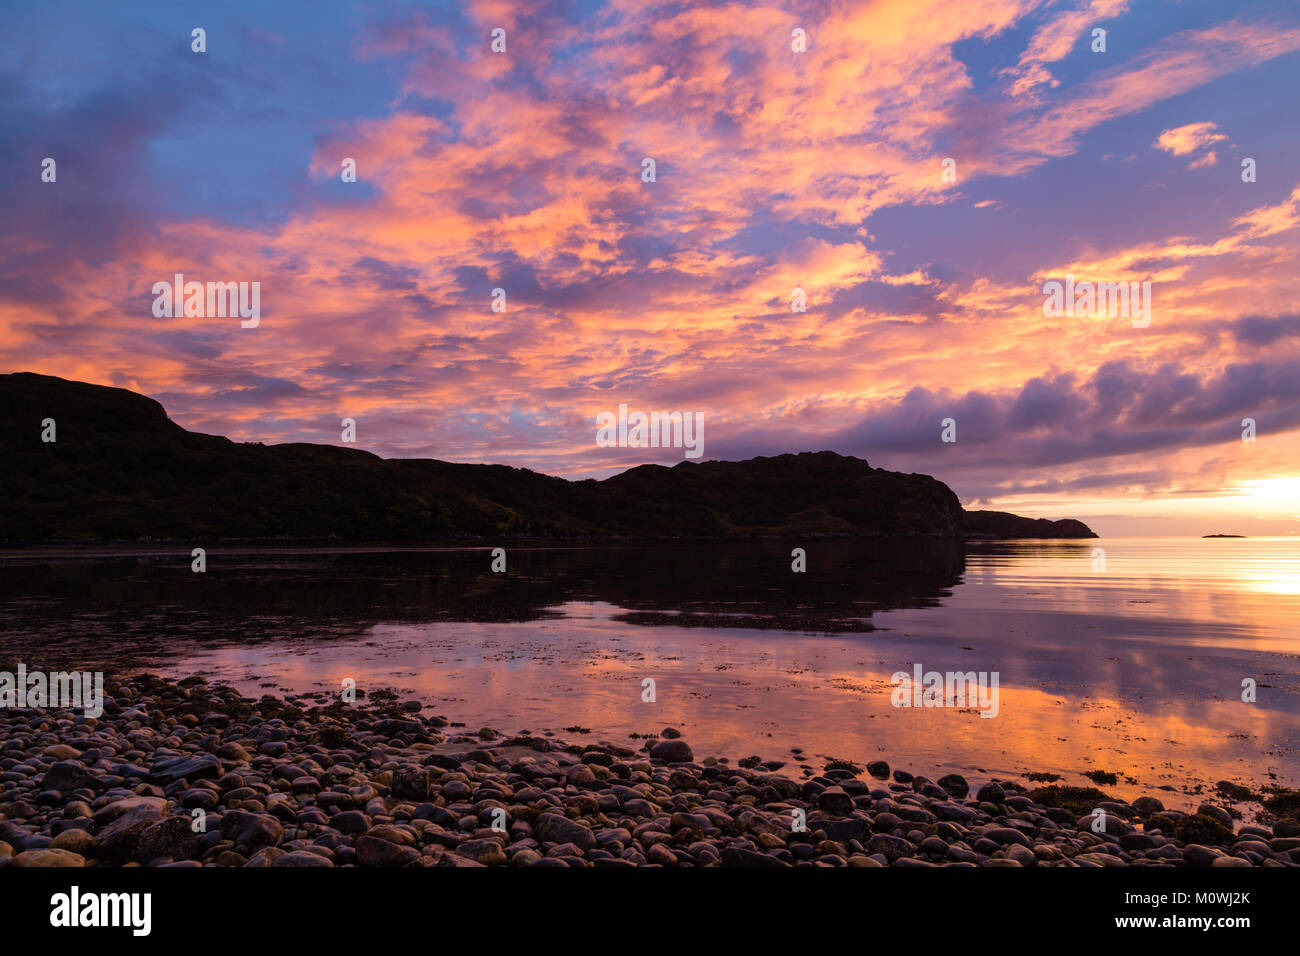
120,469
1003,524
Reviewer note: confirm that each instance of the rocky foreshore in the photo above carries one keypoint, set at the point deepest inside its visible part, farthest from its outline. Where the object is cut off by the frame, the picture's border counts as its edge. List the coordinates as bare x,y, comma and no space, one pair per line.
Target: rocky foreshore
289,782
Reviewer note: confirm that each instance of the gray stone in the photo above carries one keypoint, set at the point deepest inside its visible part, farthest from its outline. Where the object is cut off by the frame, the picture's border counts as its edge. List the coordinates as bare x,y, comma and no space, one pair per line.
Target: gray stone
1006,835
672,751
1147,805
835,800
955,784
48,858
251,829
890,847
173,837
372,851
202,767
991,792
301,858
553,828
68,775
1198,855
739,856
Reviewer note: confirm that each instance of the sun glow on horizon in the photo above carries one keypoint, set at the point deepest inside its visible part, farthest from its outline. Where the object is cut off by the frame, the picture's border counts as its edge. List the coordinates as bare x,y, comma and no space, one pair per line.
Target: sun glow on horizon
1253,507
1274,494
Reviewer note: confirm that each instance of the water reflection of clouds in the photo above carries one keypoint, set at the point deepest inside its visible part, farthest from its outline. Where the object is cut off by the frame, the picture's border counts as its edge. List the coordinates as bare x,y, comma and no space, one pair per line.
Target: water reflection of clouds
1136,670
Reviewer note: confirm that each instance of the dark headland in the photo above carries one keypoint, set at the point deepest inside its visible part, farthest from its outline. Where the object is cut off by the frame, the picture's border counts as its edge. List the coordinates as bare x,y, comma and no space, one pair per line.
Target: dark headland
121,470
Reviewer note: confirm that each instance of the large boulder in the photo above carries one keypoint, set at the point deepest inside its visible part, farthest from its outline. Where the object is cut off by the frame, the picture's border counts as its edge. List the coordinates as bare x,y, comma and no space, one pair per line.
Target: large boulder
173,837
672,751
553,828
68,775
118,840
251,829
48,858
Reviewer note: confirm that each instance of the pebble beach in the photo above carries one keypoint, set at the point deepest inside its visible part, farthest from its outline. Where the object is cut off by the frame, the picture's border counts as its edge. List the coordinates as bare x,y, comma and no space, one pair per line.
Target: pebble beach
188,773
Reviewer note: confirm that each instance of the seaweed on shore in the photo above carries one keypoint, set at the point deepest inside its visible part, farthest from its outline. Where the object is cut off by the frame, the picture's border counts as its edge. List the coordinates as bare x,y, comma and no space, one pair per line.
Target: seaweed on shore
1078,800
1283,803
1236,792
1203,829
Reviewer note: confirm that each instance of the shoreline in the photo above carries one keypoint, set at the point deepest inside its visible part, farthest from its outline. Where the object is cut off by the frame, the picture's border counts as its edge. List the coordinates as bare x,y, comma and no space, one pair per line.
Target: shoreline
377,783
309,545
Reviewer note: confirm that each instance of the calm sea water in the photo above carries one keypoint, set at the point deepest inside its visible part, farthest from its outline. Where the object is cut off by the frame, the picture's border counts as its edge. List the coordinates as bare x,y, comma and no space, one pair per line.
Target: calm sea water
1133,665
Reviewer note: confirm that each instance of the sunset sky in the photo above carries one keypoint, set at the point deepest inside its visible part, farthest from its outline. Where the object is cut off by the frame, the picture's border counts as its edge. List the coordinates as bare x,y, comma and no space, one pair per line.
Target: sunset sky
775,169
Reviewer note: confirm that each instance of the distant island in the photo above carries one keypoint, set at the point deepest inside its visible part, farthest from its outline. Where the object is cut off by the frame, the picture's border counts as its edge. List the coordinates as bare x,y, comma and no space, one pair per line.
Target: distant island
1223,536
121,470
